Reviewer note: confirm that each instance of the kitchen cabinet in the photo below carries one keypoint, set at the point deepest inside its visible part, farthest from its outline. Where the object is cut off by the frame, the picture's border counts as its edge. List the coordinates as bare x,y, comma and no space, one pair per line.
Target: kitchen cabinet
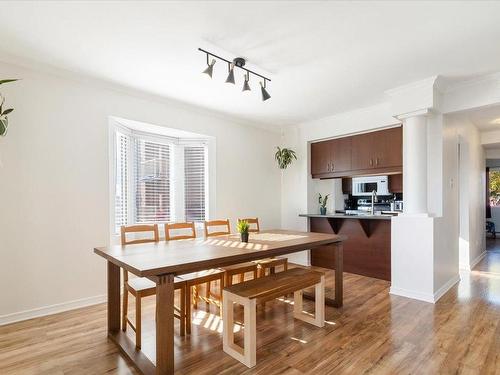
320,158
347,185
333,156
369,153
381,149
396,183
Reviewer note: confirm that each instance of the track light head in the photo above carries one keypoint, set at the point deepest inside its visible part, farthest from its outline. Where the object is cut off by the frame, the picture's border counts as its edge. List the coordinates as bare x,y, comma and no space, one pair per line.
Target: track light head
230,76
246,86
265,94
210,68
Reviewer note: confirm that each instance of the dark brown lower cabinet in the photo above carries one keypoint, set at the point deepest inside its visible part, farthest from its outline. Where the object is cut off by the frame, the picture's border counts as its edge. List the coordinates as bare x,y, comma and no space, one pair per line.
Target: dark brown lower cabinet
367,250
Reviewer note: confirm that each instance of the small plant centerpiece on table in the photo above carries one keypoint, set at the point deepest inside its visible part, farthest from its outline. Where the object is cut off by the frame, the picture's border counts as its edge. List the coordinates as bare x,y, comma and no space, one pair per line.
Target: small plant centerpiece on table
4,121
322,203
243,230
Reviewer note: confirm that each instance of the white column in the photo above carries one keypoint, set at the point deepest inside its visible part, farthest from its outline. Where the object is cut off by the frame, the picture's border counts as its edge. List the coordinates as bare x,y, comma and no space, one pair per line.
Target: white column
415,165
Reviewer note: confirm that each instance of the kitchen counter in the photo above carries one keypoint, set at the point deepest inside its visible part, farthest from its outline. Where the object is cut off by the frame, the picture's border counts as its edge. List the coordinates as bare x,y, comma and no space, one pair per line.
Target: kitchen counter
344,216
367,248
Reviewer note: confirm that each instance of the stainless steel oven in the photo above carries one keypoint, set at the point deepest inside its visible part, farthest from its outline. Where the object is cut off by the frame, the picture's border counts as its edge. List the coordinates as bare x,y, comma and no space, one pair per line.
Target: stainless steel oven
365,185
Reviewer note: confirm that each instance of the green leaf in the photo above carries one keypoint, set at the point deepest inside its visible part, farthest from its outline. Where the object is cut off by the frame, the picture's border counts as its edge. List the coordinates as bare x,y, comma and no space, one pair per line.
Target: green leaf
6,112
3,127
7,80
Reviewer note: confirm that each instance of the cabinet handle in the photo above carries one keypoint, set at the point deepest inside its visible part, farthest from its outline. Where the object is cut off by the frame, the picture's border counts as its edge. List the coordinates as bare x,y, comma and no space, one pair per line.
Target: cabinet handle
328,167
376,161
333,167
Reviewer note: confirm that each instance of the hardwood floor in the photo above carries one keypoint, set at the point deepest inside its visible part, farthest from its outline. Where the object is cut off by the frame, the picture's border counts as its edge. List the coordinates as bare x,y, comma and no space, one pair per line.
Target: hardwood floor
374,333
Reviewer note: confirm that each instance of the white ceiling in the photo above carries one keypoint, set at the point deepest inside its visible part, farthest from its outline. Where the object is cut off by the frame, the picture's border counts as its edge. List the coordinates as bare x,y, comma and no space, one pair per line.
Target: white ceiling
485,118
323,57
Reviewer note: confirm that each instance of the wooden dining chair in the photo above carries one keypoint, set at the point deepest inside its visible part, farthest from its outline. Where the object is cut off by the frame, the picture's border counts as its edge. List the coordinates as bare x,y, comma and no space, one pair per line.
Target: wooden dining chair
141,287
238,270
268,264
195,279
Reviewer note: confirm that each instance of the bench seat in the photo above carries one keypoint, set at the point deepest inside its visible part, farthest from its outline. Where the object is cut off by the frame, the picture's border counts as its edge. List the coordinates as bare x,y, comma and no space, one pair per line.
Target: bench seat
253,292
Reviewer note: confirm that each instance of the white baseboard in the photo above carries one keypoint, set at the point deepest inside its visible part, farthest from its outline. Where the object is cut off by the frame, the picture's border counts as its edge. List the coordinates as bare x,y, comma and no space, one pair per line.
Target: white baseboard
469,267
447,286
477,260
52,309
426,297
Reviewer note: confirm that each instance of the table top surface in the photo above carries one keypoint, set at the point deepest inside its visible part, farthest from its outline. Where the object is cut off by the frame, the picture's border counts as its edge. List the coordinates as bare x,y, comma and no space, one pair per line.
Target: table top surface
184,256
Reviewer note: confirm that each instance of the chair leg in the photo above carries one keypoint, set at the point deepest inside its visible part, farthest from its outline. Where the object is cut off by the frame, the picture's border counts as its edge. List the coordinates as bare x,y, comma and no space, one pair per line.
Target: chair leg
138,321
188,302
195,296
183,311
125,308
228,279
207,296
221,290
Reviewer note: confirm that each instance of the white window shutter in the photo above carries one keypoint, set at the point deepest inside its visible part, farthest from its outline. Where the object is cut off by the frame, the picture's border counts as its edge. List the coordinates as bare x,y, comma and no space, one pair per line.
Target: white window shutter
194,182
121,179
152,181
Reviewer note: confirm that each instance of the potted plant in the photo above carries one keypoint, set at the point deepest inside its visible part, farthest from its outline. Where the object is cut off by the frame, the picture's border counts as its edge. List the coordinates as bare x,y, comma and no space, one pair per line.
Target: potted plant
284,157
322,203
242,228
4,121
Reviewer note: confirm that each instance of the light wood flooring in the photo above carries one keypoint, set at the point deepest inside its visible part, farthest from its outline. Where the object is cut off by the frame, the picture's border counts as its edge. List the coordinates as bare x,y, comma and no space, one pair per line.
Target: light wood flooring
374,333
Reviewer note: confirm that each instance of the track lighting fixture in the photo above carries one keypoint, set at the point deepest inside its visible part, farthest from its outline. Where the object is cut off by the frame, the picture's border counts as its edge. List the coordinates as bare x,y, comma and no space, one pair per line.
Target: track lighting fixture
210,69
246,86
265,94
238,62
230,76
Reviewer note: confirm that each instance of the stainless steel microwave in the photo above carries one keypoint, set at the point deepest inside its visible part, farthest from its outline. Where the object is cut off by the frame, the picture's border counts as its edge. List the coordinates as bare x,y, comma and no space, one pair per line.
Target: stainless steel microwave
365,185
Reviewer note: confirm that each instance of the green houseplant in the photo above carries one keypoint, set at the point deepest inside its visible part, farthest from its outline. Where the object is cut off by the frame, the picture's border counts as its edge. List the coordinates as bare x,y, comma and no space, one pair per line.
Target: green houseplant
242,228
4,121
322,203
284,157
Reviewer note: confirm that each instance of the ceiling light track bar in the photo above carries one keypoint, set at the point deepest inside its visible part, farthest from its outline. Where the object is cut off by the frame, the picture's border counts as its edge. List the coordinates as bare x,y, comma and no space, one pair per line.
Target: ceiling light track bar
231,62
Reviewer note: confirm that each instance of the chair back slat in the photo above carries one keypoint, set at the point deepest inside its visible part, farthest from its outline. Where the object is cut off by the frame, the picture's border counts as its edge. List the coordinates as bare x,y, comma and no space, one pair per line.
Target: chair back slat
250,221
217,223
153,228
179,226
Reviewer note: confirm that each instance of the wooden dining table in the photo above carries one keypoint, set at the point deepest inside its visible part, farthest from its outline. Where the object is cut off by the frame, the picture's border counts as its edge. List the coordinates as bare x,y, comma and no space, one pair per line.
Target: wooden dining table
161,261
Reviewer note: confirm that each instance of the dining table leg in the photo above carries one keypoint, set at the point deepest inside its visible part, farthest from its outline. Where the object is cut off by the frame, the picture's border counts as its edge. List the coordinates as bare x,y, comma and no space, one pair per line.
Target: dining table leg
165,325
338,267
339,275
113,298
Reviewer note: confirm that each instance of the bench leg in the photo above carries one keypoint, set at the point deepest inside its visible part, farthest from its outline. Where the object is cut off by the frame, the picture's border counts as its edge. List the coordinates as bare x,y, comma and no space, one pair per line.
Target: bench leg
319,306
248,354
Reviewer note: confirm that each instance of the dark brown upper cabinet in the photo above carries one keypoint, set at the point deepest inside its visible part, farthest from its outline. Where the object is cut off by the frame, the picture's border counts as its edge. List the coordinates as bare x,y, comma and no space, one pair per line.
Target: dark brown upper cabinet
369,153
331,157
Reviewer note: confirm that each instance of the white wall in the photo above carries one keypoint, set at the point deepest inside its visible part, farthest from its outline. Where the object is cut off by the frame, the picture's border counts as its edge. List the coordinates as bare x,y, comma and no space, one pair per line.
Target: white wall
472,190
54,202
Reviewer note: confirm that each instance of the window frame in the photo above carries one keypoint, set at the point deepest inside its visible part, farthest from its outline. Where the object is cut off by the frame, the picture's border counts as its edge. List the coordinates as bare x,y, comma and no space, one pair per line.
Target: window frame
176,172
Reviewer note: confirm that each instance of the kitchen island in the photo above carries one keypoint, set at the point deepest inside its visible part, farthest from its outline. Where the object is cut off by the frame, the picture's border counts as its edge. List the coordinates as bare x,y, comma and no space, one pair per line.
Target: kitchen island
367,249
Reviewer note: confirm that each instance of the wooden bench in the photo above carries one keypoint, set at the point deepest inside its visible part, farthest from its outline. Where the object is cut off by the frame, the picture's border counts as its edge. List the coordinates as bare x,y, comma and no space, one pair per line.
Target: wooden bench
260,290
